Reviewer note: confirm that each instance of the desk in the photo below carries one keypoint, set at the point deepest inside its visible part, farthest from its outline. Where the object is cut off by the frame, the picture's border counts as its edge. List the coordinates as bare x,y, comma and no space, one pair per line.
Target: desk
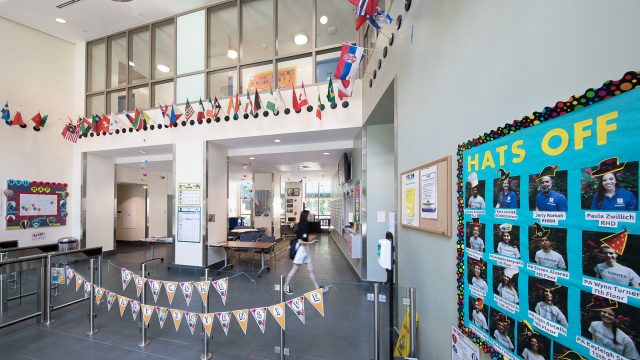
231,245
243,231
157,240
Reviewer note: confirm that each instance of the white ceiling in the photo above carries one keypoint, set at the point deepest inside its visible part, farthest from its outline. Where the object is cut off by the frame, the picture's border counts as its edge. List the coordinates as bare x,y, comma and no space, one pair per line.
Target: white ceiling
163,166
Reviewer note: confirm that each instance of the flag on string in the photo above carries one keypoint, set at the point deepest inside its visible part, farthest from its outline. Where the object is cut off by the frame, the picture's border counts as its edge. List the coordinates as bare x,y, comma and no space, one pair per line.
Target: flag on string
176,315
242,316
111,298
155,288
315,297
271,105
280,104
126,278
98,292
297,306
260,314
221,285
331,95
207,322
139,282
248,106
200,117
203,289
69,270
230,106
135,308
170,287
236,107
122,303
70,132
188,111
192,320
147,311
79,281
277,311
162,315
225,321
6,114
187,291
319,106
345,88
17,119
349,61
57,275
257,103
87,289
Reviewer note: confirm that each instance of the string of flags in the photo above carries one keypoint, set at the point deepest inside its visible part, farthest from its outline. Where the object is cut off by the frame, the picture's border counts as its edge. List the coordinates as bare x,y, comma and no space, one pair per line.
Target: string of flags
38,120
66,274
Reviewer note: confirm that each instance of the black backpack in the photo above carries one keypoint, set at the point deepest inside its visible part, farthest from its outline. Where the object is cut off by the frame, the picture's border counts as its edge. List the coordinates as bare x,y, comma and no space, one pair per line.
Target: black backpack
292,248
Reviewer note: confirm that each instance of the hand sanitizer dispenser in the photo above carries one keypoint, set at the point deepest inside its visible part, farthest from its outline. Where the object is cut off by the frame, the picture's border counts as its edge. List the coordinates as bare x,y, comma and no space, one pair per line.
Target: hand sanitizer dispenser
384,253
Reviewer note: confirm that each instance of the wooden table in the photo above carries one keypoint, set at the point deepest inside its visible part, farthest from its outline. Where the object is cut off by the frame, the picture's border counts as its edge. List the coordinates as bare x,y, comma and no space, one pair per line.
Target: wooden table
246,245
243,231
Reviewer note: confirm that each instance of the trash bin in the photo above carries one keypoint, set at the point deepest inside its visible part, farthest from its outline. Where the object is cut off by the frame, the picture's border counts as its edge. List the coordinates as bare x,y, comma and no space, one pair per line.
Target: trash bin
68,243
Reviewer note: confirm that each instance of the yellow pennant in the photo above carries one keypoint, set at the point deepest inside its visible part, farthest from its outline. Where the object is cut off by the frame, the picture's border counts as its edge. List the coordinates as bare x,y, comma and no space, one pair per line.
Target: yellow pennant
176,315
315,298
139,281
203,289
79,281
243,317
99,292
170,287
277,311
147,311
207,322
122,302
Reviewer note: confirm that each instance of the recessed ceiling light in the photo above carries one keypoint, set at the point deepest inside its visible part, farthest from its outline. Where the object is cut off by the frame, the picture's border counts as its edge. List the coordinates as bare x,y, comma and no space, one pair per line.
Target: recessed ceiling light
323,19
163,68
326,153
300,39
232,54
252,158
142,152
61,20
277,140
131,63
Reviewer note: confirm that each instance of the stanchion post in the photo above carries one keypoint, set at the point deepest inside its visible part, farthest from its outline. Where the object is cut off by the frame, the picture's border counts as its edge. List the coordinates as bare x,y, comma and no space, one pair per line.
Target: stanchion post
143,298
45,315
412,318
92,327
99,270
376,321
3,287
282,344
205,310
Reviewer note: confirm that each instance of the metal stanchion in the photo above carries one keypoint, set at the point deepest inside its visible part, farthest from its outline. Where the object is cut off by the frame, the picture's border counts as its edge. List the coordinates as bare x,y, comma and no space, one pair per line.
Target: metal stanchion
143,298
282,349
99,270
412,318
3,287
92,328
205,309
45,316
376,321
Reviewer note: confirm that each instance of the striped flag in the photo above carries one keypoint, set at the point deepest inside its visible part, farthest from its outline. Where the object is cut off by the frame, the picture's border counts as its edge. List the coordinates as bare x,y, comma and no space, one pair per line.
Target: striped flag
248,106
188,111
70,131
349,61
200,116
257,103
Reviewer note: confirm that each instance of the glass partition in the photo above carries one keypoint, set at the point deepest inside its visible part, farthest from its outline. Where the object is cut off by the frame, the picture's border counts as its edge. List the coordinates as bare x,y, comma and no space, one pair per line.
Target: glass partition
326,64
257,30
162,94
117,102
95,104
295,71
96,67
334,23
139,97
163,50
223,83
139,56
190,42
256,77
20,290
223,35
294,26
190,87
118,61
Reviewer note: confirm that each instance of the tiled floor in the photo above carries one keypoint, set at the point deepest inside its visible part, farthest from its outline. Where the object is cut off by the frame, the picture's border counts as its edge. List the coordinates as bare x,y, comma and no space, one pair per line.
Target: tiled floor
346,331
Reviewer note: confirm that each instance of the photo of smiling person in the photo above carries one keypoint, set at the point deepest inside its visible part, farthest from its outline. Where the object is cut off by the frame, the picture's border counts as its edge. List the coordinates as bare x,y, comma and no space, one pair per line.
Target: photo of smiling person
549,300
475,192
507,239
610,186
478,313
548,246
475,235
506,190
502,329
505,282
532,345
548,189
612,257
478,275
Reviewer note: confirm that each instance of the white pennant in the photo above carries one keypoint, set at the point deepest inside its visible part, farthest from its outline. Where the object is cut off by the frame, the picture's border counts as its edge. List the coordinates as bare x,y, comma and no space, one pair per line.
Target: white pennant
187,291
260,314
87,289
111,298
126,278
70,274
297,306
225,321
192,319
155,288
162,315
221,286
135,308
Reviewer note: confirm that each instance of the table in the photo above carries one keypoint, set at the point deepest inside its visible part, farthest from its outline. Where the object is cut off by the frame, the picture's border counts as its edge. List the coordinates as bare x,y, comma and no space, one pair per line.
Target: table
243,231
156,240
255,245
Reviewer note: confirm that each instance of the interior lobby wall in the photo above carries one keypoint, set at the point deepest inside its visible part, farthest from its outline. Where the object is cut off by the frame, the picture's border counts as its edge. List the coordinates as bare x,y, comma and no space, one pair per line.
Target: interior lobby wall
131,212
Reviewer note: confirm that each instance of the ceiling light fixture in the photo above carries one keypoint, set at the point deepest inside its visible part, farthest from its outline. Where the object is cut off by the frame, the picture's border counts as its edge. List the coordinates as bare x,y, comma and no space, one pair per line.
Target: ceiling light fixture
163,68
131,63
324,19
252,158
300,39
277,140
326,153
61,20
142,152
232,54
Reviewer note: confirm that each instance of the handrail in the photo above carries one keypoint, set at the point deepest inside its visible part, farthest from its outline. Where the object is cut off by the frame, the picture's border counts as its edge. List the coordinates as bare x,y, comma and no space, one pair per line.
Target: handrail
32,247
22,259
150,260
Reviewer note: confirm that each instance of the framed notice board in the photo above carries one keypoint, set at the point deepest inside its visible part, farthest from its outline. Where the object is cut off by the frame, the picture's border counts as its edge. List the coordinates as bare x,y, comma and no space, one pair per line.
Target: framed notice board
425,193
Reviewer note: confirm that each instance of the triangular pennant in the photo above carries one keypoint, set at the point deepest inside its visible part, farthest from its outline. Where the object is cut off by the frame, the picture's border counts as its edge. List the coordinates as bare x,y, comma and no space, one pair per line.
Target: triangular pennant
260,314
70,274
277,311
297,306
155,288
207,322
139,281
162,315
315,297
187,291
87,289
111,298
135,308
203,289
126,278
98,293
170,287
243,317
192,319
225,321
176,315
79,281
147,311
122,303
221,286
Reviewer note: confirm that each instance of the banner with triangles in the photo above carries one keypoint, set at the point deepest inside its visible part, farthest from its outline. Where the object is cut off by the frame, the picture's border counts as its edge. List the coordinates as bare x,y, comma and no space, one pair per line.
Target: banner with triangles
170,287
260,314
70,274
176,315
79,281
207,322
87,289
242,316
155,288
111,298
139,281
315,298
98,294
297,306
162,315
192,320
225,321
277,311
221,286
147,311
135,308
187,291
122,303
126,278
203,289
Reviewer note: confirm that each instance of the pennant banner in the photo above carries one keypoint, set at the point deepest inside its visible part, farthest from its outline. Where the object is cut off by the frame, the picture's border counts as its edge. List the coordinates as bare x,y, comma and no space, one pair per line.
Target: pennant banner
87,289
176,315
260,314
126,278
277,311
135,308
98,293
225,321
170,287
147,311
111,298
122,303
315,298
192,319
162,315
207,322
187,291
57,276
79,281
139,281
203,289
297,306
155,288
70,274
242,316
221,286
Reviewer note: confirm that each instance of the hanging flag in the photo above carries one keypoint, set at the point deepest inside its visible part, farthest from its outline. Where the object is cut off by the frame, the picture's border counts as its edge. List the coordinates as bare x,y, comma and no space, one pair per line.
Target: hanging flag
135,308
147,311
37,121
170,287
230,106
70,271
200,116
345,88
111,298
79,281
187,291
280,104
87,289
349,61
203,289
176,315
139,282
164,109
192,319
319,106
122,303
242,316
57,275
331,95
257,103
6,114
98,294
260,314
225,321
188,111
297,306
155,288
315,297
17,120
277,311
380,18
221,286
248,106
70,132
126,278
207,322
271,105
365,7
162,315
146,117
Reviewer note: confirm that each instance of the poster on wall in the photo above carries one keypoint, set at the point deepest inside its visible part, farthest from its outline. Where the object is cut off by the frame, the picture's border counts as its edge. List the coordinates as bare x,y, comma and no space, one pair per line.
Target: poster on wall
410,199
547,215
356,202
429,193
189,224
34,204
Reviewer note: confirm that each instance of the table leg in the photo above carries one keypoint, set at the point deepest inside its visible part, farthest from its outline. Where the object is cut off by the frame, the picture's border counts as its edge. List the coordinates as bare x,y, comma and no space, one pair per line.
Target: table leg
263,268
226,262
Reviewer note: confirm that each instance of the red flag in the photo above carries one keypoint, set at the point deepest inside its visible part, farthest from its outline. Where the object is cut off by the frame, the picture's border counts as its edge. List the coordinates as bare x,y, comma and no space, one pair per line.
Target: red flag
17,120
294,99
104,126
345,88
37,119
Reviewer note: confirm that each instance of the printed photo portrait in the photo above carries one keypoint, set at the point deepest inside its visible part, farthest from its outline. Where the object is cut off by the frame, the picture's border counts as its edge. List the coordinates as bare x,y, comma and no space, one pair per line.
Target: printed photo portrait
289,201
477,274
506,191
475,192
296,192
549,300
531,344
475,235
610,186
290,191
561,352
502,329
612,257
505,283
479,313
506,238
610,324
548,190
548,246
289,205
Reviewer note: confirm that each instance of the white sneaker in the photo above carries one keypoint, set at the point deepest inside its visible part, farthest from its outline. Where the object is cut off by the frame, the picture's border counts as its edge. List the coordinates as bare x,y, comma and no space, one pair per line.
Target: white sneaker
287,290
324,289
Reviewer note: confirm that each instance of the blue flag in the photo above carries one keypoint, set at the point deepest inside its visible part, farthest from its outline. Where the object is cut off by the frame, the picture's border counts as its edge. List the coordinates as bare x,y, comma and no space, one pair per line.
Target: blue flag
6,114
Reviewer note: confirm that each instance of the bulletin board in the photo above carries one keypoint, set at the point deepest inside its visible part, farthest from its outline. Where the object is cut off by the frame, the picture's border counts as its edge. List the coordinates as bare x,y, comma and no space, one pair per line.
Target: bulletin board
548,241
34,204
425,193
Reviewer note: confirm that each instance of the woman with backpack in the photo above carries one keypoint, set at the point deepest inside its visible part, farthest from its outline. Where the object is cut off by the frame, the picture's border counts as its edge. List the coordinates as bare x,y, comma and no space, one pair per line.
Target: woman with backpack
298,252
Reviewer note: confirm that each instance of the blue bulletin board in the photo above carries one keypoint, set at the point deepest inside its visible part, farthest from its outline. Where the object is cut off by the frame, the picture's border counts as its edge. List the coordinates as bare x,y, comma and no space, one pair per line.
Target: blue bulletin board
548,237
34,204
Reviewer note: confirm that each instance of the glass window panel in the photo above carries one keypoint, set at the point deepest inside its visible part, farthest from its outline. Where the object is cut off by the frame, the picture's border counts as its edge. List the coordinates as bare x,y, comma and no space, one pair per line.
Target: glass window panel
118,61
223,35
257,30
139,56
295,71
95,104
260,77
96,73
162,94
326,65
139,98
339,27
223,83
117,102
190,87
294,26
163,50
191,45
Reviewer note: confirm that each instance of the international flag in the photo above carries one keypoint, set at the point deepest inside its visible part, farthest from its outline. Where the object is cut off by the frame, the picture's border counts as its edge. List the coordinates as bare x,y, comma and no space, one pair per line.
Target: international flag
280,104
106,124
6,114
201,116
216,107
17,120
318,108
365,7
164,109
380,18
188,111
113,122
146,117
173,117
331,95
70,131
230,105
137,120
236,107
257,102
345,88
85,126
271,105
300,100
349,61
39,121
248,106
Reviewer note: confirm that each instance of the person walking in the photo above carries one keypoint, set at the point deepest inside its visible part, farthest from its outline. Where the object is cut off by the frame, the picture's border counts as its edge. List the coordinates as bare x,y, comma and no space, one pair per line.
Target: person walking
299,254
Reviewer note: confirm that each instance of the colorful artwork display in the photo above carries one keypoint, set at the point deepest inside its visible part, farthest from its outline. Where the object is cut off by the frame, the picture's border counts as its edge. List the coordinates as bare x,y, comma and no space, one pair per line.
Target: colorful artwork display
34,204
548,236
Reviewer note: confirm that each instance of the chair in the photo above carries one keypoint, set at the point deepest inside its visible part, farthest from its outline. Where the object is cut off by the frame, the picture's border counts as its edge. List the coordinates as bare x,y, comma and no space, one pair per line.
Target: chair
248,237
270,251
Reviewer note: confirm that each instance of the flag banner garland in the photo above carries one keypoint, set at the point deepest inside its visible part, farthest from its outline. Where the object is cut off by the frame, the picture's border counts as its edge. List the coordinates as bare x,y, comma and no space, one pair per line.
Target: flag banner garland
192,320
139,282
170,287
187,291
126,278
57,276
162,315
99,292
111,298
87,289
70,274
277,311
242,316
316,299
225,321
135,308
176,315
147,311
221,286
207,322
297,306
155,288
260,314
203,289
122,303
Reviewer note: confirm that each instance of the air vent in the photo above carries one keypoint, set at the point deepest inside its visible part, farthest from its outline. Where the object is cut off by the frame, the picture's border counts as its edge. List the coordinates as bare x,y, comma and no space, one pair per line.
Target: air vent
65,4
